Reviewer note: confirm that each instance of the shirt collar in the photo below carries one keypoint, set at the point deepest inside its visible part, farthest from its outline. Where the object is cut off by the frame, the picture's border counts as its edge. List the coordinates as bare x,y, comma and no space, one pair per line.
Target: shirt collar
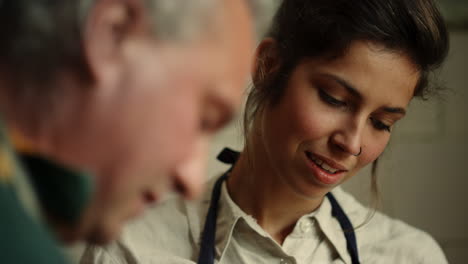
330,225
230,215
13,176
332,229
63,192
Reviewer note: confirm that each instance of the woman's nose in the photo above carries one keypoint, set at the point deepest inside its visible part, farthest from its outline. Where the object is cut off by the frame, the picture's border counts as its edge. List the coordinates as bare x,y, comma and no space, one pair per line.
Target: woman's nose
349,138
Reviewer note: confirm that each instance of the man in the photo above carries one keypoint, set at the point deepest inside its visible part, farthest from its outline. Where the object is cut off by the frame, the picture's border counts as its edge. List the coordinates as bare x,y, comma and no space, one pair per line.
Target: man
125,93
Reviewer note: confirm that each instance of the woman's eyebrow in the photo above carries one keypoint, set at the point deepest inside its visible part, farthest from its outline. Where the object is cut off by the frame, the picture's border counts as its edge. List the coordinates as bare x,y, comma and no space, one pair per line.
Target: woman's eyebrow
355,92
394,110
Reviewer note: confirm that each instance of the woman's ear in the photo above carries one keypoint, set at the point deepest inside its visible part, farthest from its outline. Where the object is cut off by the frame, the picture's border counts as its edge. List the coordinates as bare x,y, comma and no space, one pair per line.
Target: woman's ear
267,60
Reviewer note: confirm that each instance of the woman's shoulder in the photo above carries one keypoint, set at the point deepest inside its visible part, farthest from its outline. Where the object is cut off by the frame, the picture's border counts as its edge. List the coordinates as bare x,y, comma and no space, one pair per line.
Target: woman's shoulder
385,238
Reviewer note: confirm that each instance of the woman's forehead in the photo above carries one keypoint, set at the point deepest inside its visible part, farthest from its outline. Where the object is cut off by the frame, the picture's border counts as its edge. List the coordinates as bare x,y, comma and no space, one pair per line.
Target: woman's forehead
367,69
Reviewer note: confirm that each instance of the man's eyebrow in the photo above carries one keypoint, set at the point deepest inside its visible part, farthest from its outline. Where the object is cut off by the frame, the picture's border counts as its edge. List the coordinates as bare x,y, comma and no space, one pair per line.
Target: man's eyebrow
355,92
349,87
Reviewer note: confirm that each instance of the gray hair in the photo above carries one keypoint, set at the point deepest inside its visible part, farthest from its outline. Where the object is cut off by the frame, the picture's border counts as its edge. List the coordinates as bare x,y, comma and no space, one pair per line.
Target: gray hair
42,37
171,19
184,18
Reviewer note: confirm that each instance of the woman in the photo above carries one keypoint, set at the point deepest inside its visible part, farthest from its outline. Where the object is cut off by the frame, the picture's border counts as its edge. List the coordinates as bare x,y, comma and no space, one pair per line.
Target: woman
330,81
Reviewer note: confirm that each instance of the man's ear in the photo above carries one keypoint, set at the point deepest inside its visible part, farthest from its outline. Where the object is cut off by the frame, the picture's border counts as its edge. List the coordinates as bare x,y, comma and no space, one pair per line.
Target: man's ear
267,60
110,25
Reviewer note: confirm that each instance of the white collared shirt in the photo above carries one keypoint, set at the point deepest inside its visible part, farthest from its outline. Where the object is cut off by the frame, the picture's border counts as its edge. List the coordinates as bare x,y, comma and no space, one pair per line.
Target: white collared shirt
170,233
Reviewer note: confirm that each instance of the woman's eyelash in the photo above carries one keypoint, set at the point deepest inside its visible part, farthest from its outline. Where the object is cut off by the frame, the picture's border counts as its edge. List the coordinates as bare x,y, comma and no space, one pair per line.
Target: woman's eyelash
379,125
330,99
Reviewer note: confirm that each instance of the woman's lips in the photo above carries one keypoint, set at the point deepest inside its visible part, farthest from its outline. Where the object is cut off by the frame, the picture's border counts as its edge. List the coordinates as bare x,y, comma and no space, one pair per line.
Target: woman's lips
325,172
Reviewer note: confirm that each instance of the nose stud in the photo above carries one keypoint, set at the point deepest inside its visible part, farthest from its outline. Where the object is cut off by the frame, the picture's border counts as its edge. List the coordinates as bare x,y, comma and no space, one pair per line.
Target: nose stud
357,155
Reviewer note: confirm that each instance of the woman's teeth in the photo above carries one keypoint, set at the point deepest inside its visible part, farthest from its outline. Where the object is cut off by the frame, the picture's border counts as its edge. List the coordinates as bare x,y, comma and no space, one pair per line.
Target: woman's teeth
323,165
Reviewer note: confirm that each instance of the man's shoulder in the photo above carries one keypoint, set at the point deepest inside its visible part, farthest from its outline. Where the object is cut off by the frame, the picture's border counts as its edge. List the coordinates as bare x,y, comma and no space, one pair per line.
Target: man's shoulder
20,230
20,234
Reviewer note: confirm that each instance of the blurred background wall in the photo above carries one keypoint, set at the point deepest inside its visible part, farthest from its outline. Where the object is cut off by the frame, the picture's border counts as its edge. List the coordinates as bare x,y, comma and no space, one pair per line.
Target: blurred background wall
422,174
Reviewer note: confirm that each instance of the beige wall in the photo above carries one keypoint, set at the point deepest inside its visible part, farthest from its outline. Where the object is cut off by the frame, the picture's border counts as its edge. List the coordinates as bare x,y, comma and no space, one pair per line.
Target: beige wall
423,172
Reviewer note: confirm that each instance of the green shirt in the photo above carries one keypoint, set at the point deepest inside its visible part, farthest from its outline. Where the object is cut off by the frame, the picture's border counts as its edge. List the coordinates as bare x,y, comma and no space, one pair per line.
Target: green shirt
29,187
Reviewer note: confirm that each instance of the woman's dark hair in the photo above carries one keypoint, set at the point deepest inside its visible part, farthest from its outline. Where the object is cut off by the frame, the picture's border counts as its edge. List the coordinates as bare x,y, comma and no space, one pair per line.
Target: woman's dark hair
326,28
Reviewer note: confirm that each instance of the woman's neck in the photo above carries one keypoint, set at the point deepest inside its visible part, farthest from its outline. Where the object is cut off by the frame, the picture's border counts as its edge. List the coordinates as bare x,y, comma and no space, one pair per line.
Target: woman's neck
259,191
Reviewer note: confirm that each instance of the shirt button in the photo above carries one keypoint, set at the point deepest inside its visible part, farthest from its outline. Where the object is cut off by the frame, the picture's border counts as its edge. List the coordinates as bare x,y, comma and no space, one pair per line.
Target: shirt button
305,226
284,261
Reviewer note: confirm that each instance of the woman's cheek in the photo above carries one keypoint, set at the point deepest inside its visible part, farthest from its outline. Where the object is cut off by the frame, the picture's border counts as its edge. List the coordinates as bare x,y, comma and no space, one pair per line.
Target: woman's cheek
370,152
319,124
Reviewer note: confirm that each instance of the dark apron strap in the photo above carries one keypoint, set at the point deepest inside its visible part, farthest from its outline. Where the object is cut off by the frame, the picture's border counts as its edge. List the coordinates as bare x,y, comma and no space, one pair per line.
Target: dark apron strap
347,227
207,246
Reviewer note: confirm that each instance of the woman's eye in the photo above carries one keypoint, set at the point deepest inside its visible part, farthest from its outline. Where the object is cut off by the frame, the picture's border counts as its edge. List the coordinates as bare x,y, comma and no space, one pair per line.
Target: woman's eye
330,99
379,125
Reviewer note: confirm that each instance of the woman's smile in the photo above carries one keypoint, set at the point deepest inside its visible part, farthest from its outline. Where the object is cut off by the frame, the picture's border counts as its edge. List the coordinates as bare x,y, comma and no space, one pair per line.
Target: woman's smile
324,170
